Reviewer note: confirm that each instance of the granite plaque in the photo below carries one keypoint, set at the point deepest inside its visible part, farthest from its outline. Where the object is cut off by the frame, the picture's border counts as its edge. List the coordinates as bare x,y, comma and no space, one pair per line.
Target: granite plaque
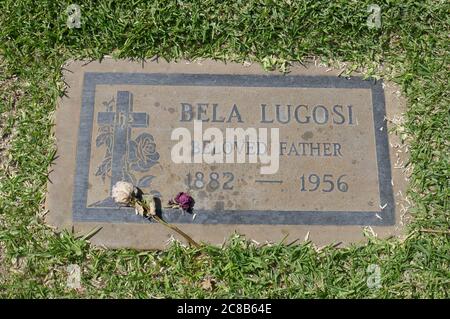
267,155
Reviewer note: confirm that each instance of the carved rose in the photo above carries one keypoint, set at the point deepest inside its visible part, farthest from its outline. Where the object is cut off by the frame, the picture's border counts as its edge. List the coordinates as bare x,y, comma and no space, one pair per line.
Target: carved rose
142,152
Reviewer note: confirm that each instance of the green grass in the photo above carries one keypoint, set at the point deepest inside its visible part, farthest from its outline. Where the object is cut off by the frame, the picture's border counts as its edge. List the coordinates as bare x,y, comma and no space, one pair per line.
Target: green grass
412,47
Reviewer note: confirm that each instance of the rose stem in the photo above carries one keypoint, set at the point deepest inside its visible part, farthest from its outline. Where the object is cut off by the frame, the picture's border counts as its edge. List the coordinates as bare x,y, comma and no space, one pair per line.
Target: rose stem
179,231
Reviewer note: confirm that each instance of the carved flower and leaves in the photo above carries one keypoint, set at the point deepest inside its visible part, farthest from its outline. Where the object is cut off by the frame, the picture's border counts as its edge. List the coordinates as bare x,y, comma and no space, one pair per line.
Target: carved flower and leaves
142,152
142,155
105,137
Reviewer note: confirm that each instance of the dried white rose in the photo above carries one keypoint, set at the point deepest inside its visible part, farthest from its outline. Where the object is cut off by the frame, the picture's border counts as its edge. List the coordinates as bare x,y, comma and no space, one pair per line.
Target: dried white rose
122,192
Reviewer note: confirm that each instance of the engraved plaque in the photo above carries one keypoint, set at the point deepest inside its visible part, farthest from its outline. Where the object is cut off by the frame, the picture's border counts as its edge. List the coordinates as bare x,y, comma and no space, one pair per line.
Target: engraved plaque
254,149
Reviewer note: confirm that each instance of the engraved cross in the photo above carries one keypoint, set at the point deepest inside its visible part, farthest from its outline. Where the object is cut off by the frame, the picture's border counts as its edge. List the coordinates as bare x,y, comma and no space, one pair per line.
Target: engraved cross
123,120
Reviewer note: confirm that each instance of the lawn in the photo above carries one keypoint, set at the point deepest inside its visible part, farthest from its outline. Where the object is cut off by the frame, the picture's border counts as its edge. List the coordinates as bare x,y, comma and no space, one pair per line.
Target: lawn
411,49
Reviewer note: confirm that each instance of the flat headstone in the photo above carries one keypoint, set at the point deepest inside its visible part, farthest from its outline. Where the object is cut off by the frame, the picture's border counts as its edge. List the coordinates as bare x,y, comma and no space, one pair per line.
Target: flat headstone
336,169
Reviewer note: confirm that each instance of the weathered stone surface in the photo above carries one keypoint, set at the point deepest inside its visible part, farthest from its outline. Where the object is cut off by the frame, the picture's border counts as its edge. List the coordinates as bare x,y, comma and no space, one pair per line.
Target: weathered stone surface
335,169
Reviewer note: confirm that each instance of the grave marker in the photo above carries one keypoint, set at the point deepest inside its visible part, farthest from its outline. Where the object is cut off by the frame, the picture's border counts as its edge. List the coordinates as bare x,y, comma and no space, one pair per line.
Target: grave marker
263,154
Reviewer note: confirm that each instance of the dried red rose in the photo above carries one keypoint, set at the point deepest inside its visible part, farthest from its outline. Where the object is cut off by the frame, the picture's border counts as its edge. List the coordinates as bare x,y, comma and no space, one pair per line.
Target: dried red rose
185,201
